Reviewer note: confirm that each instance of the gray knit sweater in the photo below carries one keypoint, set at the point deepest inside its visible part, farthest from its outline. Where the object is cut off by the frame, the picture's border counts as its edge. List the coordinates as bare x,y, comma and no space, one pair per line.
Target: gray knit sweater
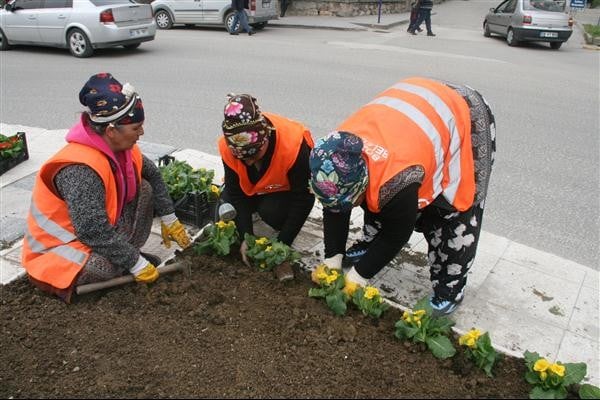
84,193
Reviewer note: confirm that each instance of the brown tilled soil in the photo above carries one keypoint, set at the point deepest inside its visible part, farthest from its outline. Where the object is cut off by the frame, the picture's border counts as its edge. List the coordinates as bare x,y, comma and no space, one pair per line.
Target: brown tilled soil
226,332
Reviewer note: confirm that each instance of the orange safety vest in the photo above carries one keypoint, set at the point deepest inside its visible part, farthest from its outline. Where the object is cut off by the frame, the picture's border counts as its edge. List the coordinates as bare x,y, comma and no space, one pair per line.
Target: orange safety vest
51,252
418,122
290,135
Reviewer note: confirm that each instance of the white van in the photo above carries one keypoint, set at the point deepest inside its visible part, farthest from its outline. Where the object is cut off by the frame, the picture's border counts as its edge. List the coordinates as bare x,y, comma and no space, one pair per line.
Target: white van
210,13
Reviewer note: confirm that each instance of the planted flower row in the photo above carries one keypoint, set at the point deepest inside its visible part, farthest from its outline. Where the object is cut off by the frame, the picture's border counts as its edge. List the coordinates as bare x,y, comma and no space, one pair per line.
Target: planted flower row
549,380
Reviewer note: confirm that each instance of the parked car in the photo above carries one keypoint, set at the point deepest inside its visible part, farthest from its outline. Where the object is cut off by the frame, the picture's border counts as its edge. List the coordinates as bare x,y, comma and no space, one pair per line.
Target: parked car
211,13
79,25
530,21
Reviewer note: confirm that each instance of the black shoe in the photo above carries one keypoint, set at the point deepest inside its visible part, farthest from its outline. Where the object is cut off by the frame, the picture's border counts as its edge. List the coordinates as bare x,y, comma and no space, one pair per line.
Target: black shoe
154,260
355,253
442,307
412,32
420,30
250,33
233,33
430,34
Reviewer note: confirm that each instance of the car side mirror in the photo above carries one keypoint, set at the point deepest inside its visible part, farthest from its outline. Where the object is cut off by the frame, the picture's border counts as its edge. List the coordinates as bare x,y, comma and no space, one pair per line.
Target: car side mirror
8,7
492,10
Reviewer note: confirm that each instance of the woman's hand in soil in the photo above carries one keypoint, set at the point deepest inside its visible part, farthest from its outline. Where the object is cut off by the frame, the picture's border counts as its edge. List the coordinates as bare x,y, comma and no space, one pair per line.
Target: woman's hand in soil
243,250
176,232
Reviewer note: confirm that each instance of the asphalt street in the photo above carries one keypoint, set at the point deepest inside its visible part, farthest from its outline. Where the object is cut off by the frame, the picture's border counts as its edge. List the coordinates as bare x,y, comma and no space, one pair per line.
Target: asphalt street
545,185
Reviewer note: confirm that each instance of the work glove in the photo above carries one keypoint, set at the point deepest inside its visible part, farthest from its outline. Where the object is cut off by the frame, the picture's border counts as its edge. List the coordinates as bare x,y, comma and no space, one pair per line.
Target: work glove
171,228
334,262
144,271
353,281
243,250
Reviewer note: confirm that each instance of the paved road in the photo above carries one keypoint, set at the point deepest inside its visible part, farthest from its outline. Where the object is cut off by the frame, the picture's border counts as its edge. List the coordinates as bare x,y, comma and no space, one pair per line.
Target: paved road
544,191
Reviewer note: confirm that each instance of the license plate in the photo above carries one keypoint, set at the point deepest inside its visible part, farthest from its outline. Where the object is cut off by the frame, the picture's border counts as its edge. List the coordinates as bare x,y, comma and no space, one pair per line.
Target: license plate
549,34
137,32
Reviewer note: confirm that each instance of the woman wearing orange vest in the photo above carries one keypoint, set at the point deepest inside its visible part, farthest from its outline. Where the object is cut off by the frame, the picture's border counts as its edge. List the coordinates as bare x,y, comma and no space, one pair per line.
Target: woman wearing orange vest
416,158
265,157
93,202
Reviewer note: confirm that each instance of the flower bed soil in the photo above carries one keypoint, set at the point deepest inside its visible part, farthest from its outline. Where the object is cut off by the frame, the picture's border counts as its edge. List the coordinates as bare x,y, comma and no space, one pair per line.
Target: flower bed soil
226,332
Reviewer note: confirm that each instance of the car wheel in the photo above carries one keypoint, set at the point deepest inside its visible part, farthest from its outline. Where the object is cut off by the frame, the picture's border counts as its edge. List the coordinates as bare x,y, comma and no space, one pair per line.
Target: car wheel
258,26
486,29
555,45
510,38
79,44
229,23
163,19
3,42
132,46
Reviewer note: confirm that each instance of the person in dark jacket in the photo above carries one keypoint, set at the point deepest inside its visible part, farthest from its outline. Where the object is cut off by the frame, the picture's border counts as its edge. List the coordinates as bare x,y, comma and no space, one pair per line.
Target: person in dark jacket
425,7
265,158
240,16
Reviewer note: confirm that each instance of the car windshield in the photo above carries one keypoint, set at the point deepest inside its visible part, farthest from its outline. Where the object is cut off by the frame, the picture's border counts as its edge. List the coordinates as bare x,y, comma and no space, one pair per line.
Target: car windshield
544,5
100,3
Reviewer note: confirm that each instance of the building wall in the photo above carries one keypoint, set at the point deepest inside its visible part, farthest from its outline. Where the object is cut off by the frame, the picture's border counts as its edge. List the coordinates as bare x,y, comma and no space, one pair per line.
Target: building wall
347,8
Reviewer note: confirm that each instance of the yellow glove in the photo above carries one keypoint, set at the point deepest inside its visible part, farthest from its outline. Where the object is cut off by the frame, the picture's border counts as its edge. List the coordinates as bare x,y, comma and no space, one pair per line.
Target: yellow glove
353,281
175,231
148,274
350,287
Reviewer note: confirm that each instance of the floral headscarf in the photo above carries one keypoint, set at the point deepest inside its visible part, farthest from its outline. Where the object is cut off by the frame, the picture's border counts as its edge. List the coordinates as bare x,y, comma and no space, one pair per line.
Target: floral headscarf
338,171
244,126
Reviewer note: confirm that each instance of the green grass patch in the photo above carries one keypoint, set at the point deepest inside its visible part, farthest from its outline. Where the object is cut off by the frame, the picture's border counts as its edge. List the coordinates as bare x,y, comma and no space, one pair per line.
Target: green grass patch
593,30
595,3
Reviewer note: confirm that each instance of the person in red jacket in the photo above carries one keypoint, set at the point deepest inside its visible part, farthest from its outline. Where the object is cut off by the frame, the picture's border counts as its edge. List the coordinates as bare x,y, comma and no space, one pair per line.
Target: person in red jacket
265,158
416,158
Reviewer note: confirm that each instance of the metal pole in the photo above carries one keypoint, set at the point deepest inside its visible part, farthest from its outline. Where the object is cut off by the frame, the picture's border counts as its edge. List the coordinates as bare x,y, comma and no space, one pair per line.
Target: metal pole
379,12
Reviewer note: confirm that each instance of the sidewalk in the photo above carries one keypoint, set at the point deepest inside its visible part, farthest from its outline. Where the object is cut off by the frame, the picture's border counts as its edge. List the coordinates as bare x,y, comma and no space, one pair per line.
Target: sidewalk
525,298
360,23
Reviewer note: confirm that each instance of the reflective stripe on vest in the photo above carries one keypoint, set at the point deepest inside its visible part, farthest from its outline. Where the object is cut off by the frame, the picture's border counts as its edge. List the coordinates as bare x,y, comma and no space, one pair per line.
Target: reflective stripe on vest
49,226
447,118
425,124
65,251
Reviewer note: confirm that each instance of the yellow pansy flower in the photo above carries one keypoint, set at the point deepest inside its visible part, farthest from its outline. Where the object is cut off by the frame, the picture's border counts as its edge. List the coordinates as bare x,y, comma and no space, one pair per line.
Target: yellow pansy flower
371,292
543,375
231,223
405,315
470,338
419,313
262,240
214,189
541,365
321,275
262,265
269,248
221,224
332,277
558,369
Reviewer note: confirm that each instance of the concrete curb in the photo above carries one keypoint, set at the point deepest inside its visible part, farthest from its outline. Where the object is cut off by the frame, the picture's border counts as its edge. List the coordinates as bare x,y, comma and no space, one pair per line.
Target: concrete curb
338,28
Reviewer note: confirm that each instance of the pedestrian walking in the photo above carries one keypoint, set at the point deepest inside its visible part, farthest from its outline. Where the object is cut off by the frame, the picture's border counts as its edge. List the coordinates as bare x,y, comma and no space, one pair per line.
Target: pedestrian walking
414,17
416,158
425,7
283,7
240,16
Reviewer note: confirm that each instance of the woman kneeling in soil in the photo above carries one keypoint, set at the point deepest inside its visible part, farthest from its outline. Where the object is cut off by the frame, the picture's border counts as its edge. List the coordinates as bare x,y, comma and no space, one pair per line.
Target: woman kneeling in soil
265,157
93,202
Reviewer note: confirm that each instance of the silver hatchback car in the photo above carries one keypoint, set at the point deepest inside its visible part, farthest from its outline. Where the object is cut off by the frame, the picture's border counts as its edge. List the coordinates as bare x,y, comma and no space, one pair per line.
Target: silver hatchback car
79,25
530,21
211,13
